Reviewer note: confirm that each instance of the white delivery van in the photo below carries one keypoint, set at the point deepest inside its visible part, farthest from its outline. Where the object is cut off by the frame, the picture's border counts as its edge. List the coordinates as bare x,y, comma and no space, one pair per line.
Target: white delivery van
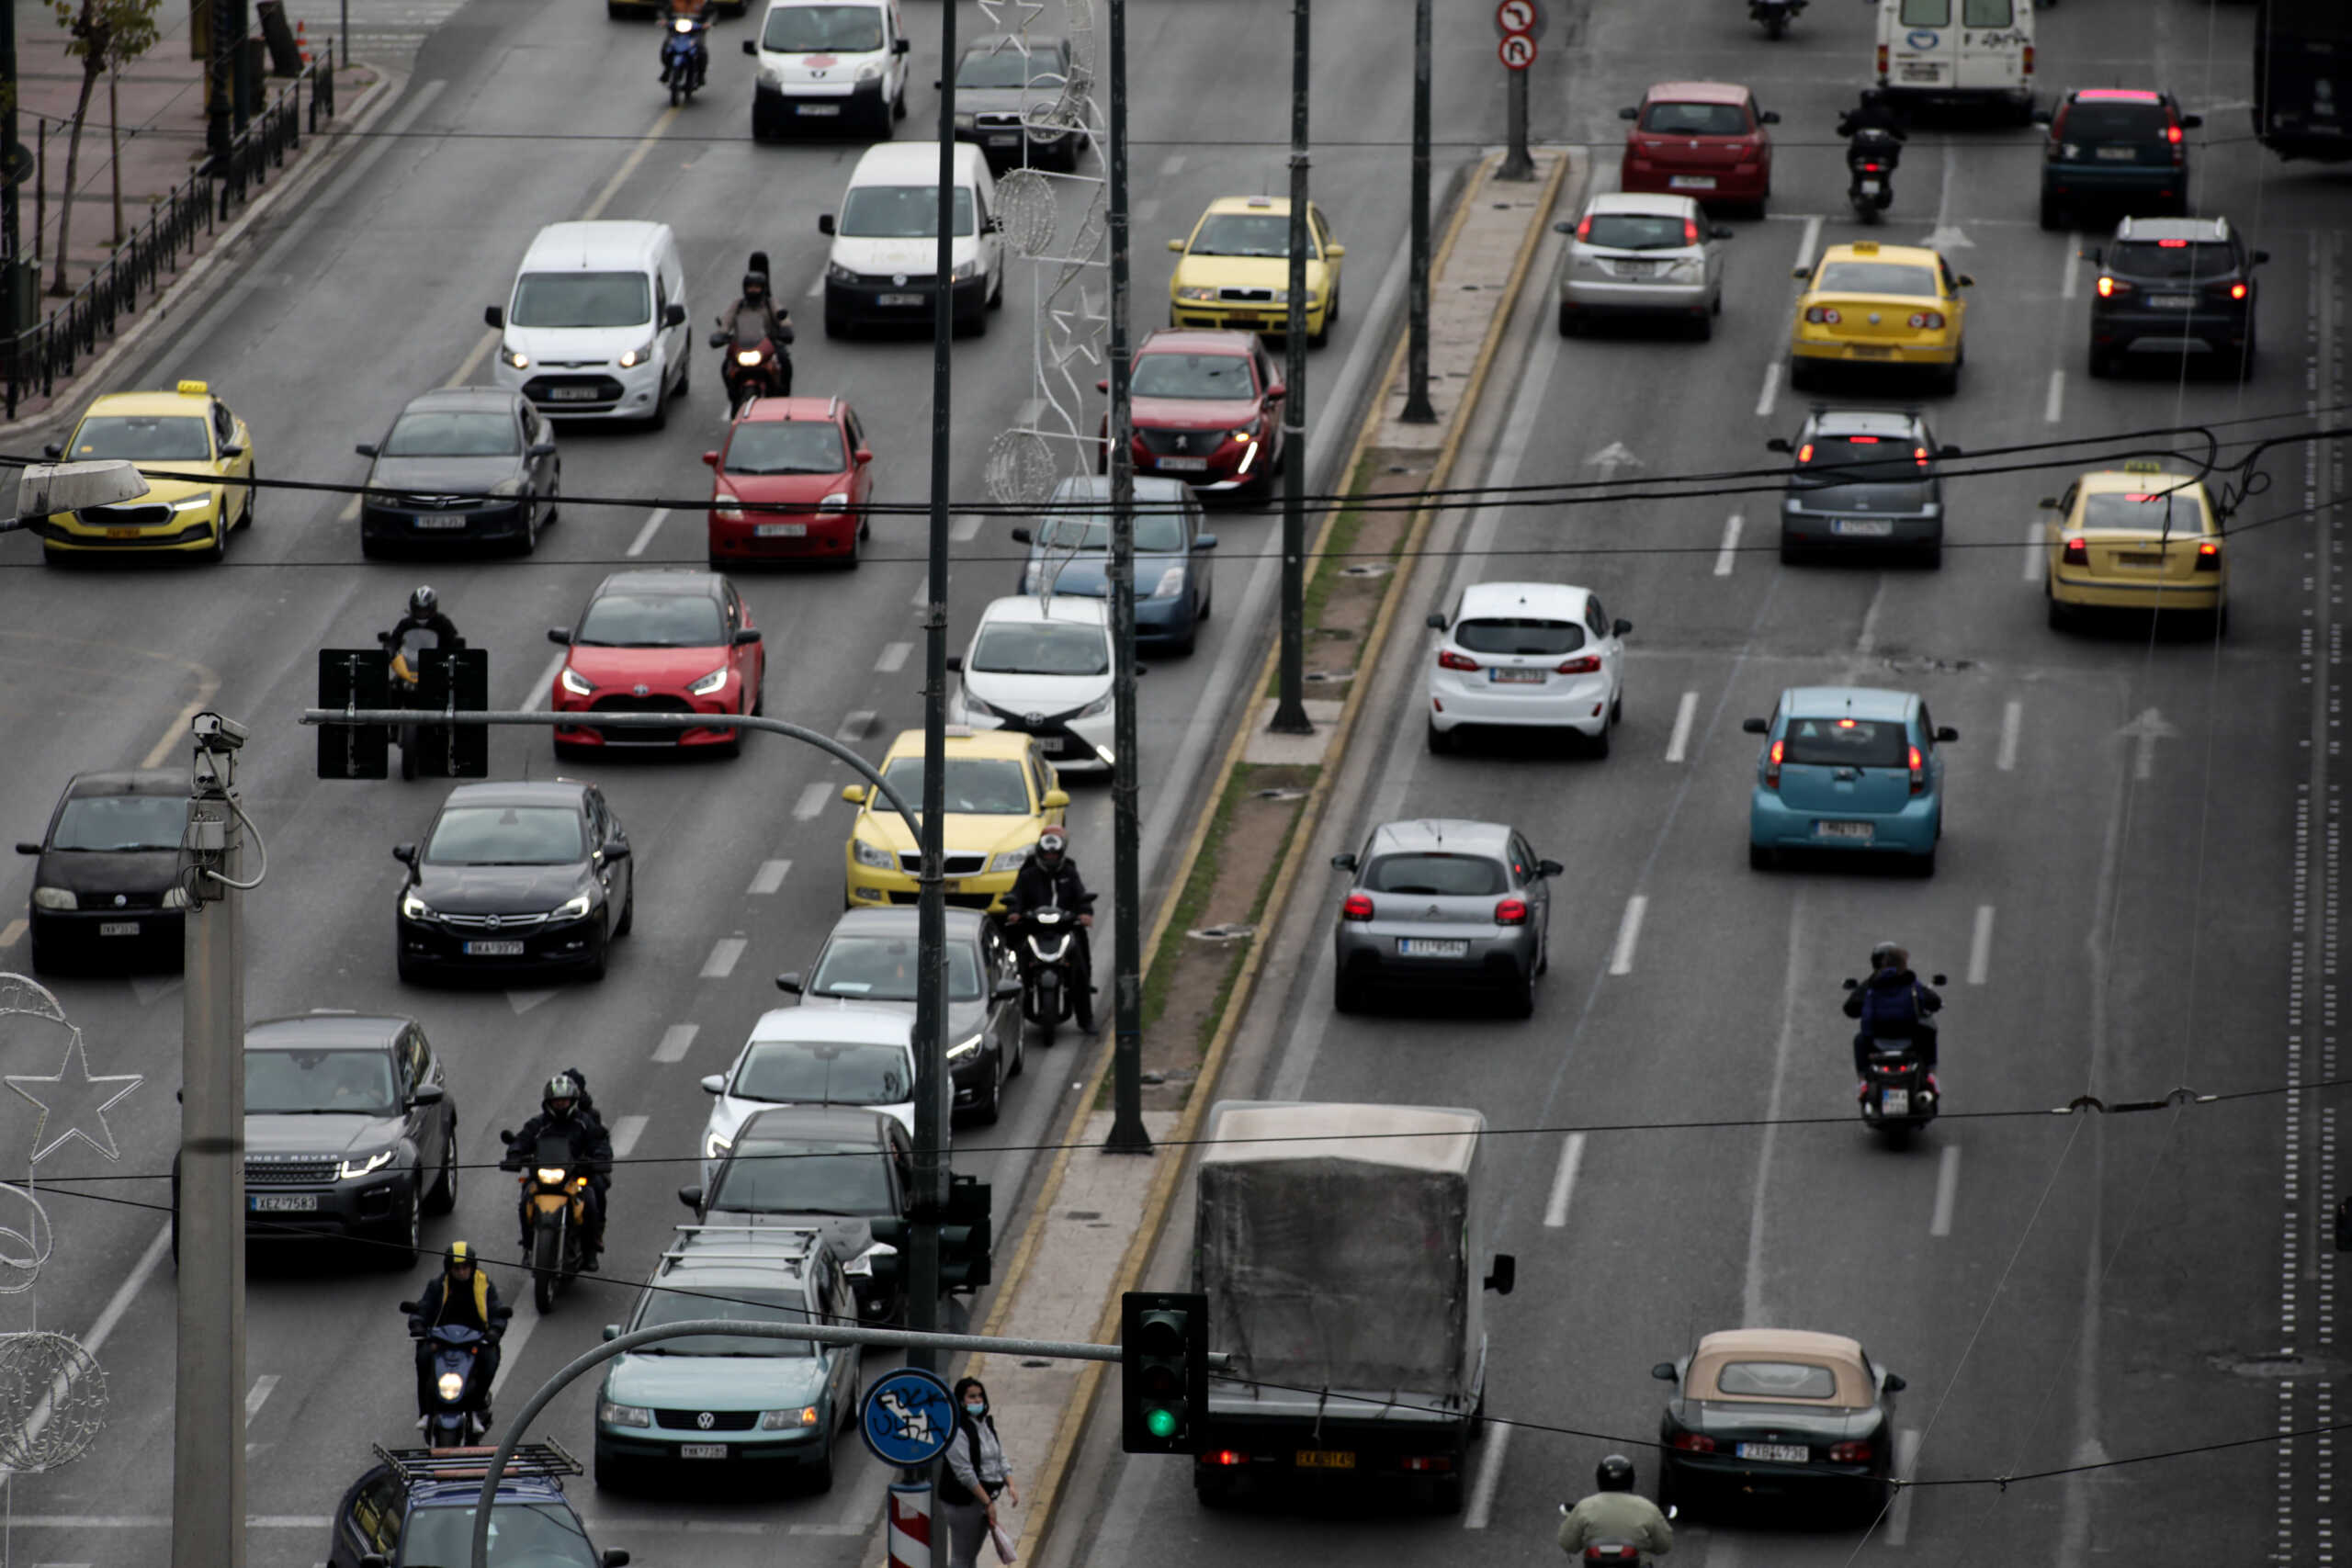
596,325
886,240
829,64
1959,51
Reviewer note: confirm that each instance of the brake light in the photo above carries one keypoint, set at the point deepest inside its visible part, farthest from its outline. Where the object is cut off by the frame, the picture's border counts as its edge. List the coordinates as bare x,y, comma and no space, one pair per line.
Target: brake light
1919,456
1511,912
1927,320
1772,765
1823,315
1690,232
2076,553
2027,61
1804,453
1357,908
1426,1462
1861,441
2172,244
1918,772
1698,1442
1587,665
2237,291
1584,227
2172,134
1845,724
1874,168
1449,660
1225,1456
2209,556
1881,62
1849,1453
2108,288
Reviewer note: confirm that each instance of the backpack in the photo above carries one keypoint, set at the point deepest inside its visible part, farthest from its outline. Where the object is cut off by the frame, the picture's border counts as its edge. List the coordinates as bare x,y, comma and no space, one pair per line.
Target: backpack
1891,1011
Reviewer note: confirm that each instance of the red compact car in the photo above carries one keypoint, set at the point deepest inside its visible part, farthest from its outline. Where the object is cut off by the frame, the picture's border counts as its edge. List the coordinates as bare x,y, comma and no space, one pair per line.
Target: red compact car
1699,138
1205,409
807,457
660,641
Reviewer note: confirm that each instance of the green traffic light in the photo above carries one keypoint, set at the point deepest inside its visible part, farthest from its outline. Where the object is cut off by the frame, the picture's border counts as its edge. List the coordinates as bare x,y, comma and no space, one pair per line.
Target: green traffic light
1161,1422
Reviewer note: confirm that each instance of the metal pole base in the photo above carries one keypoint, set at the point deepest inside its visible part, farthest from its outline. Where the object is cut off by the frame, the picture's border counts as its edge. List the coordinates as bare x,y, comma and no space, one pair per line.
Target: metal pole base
1290,718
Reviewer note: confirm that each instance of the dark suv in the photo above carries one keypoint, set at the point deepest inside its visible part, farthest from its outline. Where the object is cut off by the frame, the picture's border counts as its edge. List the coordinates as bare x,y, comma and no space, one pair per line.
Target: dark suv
2174,286
2116,146
416,1507
1865,479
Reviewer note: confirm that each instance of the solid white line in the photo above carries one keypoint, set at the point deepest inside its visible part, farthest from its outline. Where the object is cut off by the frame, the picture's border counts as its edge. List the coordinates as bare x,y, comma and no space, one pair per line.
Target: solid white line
1771,393
258,1395
1678,745
922,592
543,688
1812,237
1907,1455
2012,720
770,877
1947,1191
2073,269
676,1040
627,1130
1726,556
721,961
519,1330
893,658
472,361
350,513
1490,1475
1752,1305
133,1283
2033,567
653,521
812,800
967,528
1980,946
2054,404
1564,1181
1629,932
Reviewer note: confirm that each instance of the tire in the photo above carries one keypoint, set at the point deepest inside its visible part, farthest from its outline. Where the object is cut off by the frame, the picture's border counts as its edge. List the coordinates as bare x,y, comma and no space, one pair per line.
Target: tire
1567,322
1704,328
406,1233
253,496
677,95
836,322
547,1267
596,971
1317,340
1183,646
629,911
2053,217
1617,707
1802,375
1344,996
1519,1000
2102,365
444,1199
1048,1021
660,418
1020,1055
610,1476
370,551
1441,741
530,545
1924,866
995,291
898,105
1760,857
220,550
410,974
1445,1494
820,1475
1211,1490
1776,26
988,1115
2060,616
1597,745
1933,557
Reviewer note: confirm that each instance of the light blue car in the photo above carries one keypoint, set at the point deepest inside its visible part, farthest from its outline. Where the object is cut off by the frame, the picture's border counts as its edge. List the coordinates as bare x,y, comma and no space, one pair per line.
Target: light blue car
1847,768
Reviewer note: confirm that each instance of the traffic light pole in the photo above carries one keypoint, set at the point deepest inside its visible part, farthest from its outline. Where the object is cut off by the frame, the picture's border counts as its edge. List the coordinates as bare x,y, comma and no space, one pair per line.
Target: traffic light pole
1290,693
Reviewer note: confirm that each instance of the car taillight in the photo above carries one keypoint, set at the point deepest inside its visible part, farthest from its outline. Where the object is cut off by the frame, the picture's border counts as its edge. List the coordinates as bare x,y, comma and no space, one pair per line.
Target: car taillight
1588,664
2027,62
1804,453
1823,315
1874,168
1449,660
1849,1453
1918,772
1881,62
1225,1456
1927,320
1511,912
1698,1442
2076,553
2172,244
2209,556
1584,227
1919,456
2236,290
1772,765
2172,134
1690,232
1426,1463
2108,288
1357,908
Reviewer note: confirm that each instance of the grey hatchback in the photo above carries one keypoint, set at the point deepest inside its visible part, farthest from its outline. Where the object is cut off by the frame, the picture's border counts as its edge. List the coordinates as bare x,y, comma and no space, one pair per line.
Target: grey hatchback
1443,902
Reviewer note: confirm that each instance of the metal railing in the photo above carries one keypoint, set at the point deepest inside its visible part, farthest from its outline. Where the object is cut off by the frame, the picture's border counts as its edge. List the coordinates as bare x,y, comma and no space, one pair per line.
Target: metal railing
41,356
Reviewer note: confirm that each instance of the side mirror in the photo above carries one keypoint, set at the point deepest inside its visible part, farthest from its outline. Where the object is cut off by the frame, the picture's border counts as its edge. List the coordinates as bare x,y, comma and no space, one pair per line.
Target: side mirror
1803,275
751,47
1204,541
1343,862
2042,117
54,449
365,449
691,1196
559,636
429,1094
1275,394
1023,536
1946,732
746,637
506,1135
1434,620
1938,980
1852,984
1505,1275
1770,116
1057,799
675,316
26,849
862,457
790,982
853,793
1966,281
1564,227
405,853
1756,726
1719,232
2192,121
824,223
2260,256
1103,386
936,84
1335,252
542,450
1947,450
1778,443
2091,254
494,318
899,46
408,1306
1620,627
612,1332
2048,503
1176,245
1549,868
1629,114
1006,989
719,338
1664,1371
1895,1383
232,451
714,1083
956,662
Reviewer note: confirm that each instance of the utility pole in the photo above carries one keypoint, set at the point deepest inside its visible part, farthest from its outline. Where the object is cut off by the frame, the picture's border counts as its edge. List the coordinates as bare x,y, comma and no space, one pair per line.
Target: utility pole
11,240
1127,1134
208,1438
1417,300
220,81
1290,705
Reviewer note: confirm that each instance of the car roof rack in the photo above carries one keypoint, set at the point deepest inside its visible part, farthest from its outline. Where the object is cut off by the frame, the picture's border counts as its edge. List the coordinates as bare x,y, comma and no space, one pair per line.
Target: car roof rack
708,1243
545,1459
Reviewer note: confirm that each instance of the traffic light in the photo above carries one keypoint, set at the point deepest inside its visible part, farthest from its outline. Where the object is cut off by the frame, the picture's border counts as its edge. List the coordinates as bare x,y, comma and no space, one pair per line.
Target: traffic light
352,678
1164,1372
453,751
965,1236
889,1268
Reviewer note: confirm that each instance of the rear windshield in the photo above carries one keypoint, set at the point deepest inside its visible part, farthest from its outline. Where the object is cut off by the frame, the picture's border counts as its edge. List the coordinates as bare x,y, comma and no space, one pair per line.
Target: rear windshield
1523,634
1636,231
1875,277
882,969
1987,13
2145,512
1777,1380
2106,119
1926,13
1846,743
772,1177
822,29
1009,67
814,1073
542,1535
1861,459
2169,259
1466,875
1156,533
786,446
1695,120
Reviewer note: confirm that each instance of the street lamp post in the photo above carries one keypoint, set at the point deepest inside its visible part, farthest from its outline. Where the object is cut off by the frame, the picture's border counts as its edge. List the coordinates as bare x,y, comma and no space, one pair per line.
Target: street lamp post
1290,705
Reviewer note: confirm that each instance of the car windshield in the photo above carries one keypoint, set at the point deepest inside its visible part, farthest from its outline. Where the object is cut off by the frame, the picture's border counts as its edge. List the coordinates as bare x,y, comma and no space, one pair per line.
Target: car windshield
983,787
786,446
1861,459
121,822
1876,277
1518,634
1243,234
822,29
773,1176
1695,120
505,835
454,432
1040,648
583,300
293,1083
2175,511
522,1535
733,1304
651,620
811,1072
2168,259
2101,120
901,212
1221,376
142,438
1463,876
882,969
1636,231
1845,743
1777,1380
1009,67
1156,533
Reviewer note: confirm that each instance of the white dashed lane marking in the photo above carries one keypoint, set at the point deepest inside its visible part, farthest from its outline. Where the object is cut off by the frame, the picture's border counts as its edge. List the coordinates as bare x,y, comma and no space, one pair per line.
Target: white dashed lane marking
769,877
676,1040
812,800
1629,933
2012,720
1491,1474
1729,554
1947,1191
1564,1181
258,1395
1980,946
893,658
653,521
2055,406
1772,392
723,955
627,1130
1678,744
2031,564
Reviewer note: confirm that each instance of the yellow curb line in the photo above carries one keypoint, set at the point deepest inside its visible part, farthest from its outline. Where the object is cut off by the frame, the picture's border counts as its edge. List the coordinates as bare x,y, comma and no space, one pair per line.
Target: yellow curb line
1050,1474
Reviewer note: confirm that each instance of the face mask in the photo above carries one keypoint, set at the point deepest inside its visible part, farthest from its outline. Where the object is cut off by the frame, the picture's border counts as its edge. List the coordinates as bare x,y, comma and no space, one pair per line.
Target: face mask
975,1407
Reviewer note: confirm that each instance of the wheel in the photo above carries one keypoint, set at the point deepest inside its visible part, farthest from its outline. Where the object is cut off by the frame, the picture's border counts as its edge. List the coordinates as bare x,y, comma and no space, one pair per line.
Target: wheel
1048,1020
1776,25
629,911
995,291
677,95
1802,375
1703,327
1617,707
530,545
221,527
1519,1000
595,970
1445,1494
1441,740
820,1475
660,418
836,322
1332,312
1933,557
1925,866
2053,216
610,1476
406,1233
1183,646
2059,614
1760,857
987,1114
885,122
1947,378
445,1186
1597,742
1020,1052
1317,339
547,1266
1211,1490
1567,322
410,974
1344,996
253,494
898,105
2102,365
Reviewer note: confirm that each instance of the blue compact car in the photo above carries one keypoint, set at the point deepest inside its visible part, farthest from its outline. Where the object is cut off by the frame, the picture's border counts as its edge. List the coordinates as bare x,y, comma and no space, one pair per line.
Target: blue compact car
1847,768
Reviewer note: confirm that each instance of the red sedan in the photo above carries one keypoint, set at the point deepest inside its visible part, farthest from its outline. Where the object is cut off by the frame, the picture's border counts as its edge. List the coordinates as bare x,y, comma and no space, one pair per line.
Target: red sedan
806,457
660,641
1699,138
1206,409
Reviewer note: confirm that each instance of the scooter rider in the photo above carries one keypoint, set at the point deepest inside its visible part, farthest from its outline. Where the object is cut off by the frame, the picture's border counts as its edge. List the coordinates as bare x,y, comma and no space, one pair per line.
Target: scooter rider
1892,1004
1050,876
1616,1512
560,1112
698,13
1877,112
461,1294
423,615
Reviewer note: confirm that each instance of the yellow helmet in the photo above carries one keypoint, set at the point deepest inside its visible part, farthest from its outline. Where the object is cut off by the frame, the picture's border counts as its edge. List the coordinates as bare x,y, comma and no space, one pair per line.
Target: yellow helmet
460,1253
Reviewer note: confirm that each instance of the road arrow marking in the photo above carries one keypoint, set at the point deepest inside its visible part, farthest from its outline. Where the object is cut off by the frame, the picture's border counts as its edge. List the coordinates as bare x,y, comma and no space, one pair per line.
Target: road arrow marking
1947,237
1611,458
2145,731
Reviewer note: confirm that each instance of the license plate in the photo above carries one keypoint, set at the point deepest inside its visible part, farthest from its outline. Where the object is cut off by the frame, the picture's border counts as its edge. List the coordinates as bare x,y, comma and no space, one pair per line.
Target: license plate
816,109
122,532
2120,155
1914,71
1861,527
702,1450
1516,677
495,949
571,394
2171,301
1784,1453
1869,350
1185,465
1058,746
781,530
1871,188
2138,558
117,927
1632,268
440,522
283,1202
1692,181
1862,830
1010,138
1432,947
1326,1458
886,301
1894,1103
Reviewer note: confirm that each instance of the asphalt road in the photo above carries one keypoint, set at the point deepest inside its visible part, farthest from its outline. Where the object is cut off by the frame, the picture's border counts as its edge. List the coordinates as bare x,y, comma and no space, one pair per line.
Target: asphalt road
2122,904
370,291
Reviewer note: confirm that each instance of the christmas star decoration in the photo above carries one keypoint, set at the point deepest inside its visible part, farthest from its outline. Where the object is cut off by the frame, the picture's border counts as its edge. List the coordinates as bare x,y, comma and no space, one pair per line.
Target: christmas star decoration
77,1098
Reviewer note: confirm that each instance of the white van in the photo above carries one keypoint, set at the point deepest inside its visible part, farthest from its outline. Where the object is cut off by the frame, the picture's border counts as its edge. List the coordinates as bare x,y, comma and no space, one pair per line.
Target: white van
1959,51
827,64
596,324
886,240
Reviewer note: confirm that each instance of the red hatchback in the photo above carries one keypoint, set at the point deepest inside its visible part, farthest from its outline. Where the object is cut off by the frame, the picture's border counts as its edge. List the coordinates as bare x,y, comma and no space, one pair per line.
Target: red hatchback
1699,138
808,458
660,641
1206,409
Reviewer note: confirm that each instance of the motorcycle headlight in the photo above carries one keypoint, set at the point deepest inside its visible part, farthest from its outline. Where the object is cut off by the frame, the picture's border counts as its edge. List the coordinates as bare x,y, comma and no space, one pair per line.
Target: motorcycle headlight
54,898
967,122
964,1049
636,356
549,1175
452,1385
176,897
573,681
746,356
785,1420
716,1147
1171,582
1197,292
869,72
612,1414
682,25
837,502
1009,860
873,855
192,502
517,359
967,269
414,908
836,273
710,683
361,1164
571,908
1098,705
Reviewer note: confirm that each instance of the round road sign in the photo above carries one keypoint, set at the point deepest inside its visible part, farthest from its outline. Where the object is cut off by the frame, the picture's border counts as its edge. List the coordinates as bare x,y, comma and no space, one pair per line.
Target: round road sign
906,1417
1517,50
16,167
1515,16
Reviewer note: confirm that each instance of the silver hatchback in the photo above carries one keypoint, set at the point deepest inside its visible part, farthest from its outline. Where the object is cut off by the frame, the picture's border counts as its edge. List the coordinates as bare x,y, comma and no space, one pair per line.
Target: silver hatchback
1443,903
1637,255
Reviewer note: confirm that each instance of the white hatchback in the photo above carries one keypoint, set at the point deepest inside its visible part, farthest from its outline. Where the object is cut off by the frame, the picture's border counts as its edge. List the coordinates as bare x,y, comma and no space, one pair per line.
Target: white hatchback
1523,656
861,1056
1042,665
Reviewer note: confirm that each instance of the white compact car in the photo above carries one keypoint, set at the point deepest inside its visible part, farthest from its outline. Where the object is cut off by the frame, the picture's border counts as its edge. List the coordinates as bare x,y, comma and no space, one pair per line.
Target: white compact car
1041,665
1525,656
837,1056
1633,253
829,64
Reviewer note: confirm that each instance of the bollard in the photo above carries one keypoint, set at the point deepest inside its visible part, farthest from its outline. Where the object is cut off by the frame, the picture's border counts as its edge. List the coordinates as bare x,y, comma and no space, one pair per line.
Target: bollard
910,1534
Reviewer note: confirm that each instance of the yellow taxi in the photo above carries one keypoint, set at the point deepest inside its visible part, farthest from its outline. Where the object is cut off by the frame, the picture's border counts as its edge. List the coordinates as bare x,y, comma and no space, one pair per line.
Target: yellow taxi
2138,537
1236,271
185,443
1000,793
1873,304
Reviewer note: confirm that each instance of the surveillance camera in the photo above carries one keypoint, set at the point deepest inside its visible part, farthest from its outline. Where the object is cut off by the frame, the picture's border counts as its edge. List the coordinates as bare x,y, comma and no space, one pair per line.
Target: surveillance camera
215,733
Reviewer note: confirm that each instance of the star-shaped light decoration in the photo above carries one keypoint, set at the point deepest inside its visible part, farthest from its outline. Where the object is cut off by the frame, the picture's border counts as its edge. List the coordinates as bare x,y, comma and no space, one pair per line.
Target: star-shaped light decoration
79,1097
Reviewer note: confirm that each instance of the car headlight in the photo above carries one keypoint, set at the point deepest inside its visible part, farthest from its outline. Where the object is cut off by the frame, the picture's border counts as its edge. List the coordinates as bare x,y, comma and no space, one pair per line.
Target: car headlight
837,502
785,1420
727,508
965,269
870,71
1009,860
771,76
964,1049
176,897
836,273
716,1147
508,487
192,502
361,1164
612,1414
636,356
414,908
54,898
571,908
1197,292
873,855
452,1385
1282,295
573,681
1171,582
711,682
1098,705
967,121
1248,431
517,359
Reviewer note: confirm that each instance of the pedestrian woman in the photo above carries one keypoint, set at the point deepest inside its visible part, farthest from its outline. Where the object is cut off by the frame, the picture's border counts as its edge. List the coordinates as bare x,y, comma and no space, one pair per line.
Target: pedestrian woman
975,1478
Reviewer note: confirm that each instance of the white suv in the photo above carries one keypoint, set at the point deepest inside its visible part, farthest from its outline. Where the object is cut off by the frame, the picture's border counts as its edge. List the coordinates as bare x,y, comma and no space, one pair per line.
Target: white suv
825,62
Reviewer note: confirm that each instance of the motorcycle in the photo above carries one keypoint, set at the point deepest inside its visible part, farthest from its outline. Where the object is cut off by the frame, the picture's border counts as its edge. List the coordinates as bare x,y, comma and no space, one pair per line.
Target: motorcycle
460,1411
1776,15
685,59
402,678
1871,158
1612,1553
755,365
1899,1095
555,1213
1047,954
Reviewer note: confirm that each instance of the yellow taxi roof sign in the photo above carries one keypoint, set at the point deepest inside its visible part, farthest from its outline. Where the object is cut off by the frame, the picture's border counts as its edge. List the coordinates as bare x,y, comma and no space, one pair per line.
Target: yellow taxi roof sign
1864,247
2142,466
194,389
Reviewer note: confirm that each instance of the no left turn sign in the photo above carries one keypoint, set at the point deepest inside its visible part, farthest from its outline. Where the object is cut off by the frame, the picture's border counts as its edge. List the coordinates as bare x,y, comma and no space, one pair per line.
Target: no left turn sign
1517,50
1515,17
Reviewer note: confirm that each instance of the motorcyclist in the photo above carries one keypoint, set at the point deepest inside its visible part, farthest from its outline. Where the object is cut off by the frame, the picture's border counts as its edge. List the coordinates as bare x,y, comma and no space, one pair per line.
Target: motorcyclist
1616,1512
1876,111
462,1294
775,321
1050,876
698,13
560,1112
1893,1005
423,615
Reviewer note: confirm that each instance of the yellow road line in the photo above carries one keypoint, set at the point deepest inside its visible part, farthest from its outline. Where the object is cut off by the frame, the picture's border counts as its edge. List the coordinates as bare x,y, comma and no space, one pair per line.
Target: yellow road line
207,686
628,165
466,368
11,931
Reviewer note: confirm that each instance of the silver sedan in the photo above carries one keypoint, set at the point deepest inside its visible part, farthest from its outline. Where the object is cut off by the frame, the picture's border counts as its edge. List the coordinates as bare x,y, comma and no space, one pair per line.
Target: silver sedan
1443,903
1635,254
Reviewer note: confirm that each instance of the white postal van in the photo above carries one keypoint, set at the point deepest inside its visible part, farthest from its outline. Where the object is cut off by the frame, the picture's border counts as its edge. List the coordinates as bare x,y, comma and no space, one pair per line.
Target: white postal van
595,327
886,258
1959,51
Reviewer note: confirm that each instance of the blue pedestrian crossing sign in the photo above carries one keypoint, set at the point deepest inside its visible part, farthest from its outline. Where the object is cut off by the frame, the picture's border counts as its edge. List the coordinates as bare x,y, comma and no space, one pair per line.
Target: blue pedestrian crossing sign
907,1417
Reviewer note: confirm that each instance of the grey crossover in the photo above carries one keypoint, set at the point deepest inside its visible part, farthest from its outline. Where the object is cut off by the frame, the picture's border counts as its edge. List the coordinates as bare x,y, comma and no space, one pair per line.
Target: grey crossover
1443,903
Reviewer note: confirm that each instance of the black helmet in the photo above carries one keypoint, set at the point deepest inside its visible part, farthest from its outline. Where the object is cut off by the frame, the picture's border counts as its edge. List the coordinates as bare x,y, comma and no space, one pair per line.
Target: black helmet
422,602
1886,955
1615,1474
1051,844
562,1089
755,284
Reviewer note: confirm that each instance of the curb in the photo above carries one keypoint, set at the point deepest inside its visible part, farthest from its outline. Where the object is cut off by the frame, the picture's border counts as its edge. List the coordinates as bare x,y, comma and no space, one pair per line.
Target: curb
365,111
1050,1474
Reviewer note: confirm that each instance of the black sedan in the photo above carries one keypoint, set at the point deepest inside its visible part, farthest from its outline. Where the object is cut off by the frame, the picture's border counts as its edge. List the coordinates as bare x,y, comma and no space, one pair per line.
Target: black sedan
516,876
111,881
462,466
1777,1412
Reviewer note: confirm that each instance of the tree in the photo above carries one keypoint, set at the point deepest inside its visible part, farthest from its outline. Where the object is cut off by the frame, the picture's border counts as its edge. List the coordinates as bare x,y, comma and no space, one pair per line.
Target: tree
103,35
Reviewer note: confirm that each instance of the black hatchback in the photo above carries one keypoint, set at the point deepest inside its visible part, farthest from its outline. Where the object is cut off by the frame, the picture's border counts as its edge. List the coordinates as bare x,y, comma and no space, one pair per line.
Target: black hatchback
2172,287
111,885
2115,147
1865,481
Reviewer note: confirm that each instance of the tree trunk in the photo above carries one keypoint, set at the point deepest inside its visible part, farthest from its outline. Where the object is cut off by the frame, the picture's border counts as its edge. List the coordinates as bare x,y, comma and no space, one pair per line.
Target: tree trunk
114,140
92,65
